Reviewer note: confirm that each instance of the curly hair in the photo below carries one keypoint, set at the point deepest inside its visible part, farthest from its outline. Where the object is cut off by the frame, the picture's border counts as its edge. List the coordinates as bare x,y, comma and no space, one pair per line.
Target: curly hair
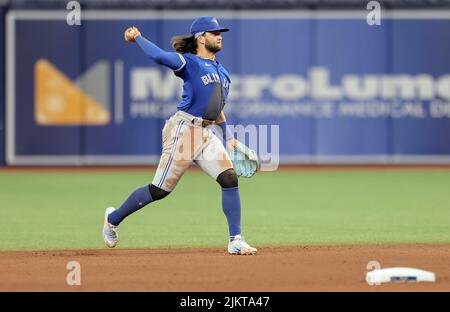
185,44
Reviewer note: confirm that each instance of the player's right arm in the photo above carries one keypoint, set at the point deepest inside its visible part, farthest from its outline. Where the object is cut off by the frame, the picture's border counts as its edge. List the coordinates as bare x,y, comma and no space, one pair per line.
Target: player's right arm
173,60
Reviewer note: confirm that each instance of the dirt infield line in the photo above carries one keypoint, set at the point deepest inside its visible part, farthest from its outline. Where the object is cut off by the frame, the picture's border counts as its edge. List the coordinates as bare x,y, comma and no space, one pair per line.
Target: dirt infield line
318,268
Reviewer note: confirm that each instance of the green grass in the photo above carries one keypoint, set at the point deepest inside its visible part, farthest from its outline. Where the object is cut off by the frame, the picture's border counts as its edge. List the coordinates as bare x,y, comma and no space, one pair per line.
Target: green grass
65,210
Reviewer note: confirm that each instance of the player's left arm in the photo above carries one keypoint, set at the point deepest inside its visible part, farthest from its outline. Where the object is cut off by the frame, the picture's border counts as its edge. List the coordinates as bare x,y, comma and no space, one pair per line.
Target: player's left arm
245,160
227,136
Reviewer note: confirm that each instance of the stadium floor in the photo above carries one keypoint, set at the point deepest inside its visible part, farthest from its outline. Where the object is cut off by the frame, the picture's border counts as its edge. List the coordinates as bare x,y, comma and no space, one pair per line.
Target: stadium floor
301,268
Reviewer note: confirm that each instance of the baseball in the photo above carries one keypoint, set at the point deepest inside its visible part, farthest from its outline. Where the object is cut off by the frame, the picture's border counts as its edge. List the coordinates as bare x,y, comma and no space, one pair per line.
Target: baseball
131,33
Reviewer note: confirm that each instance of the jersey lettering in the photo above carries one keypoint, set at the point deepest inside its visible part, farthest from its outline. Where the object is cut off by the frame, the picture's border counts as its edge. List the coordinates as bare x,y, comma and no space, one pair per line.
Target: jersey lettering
210,78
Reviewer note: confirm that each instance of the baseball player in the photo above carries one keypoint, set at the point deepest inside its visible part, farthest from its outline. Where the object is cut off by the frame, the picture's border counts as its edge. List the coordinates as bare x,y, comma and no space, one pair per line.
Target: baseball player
187,135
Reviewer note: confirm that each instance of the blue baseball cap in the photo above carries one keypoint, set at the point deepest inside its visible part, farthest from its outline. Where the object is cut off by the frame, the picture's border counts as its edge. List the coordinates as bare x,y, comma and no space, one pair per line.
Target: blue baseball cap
206,23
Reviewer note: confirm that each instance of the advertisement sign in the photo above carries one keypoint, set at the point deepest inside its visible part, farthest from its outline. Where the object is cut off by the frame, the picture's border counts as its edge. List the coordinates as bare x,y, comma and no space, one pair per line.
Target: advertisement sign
330,89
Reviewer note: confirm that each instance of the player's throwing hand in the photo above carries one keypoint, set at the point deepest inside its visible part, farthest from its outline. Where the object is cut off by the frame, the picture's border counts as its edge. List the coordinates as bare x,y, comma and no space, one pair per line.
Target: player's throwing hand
131,34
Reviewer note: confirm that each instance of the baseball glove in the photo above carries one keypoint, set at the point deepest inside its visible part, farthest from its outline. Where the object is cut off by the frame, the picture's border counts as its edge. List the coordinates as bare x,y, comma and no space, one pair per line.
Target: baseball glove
245,160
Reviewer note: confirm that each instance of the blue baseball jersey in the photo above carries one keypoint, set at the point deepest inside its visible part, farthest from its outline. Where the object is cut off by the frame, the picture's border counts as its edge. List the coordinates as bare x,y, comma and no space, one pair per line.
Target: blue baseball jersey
205,88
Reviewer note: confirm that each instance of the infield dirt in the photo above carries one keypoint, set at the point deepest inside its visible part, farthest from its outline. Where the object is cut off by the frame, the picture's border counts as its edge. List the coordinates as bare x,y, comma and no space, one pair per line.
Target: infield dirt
303,268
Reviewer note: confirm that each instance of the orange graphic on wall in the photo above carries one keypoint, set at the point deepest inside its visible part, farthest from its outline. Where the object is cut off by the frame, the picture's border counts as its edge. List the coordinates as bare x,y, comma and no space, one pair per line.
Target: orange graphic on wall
60,101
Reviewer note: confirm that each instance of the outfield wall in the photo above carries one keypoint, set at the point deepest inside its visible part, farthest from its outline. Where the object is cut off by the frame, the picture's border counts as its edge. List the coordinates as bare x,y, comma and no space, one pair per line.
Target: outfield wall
2,88
340,91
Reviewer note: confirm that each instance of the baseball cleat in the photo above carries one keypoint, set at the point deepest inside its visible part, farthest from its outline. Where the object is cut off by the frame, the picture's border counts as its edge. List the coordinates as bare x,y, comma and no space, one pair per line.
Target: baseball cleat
239,247
110,235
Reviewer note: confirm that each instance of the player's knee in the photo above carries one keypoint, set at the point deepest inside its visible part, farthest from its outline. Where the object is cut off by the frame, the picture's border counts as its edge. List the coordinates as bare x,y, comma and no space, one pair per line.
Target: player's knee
228,178
157,193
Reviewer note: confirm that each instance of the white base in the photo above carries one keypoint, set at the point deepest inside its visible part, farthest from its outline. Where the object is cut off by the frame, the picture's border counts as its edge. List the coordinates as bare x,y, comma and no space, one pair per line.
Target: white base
398,275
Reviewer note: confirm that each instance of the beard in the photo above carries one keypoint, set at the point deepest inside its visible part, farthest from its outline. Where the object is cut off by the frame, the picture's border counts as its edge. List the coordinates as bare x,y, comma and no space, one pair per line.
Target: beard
212,47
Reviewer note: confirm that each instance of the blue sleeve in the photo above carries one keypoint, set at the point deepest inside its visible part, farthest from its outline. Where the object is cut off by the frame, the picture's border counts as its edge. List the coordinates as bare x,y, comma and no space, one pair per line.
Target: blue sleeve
226,132
172,60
